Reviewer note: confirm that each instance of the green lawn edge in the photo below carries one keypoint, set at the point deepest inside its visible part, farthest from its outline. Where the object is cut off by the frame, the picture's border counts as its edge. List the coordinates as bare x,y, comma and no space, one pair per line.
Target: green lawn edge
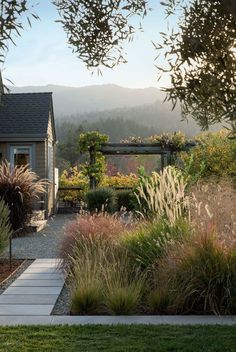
91,338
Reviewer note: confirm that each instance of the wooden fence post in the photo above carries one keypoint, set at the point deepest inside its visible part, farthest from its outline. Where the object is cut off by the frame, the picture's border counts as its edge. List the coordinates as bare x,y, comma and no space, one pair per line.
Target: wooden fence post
92,179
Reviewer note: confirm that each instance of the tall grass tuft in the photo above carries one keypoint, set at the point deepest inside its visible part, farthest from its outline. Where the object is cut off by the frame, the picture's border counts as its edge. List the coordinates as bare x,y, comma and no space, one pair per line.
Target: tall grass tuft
19,188
86,227
149,242
200,276
124,284
85,276
5,227
163,195
215,203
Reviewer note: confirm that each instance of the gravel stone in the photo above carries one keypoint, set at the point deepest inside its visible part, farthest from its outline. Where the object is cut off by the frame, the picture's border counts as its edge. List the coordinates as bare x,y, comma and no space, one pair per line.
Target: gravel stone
63,303
42,244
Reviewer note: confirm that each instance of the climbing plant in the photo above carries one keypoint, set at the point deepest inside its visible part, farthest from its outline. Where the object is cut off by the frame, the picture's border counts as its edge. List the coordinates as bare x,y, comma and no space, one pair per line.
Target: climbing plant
90,142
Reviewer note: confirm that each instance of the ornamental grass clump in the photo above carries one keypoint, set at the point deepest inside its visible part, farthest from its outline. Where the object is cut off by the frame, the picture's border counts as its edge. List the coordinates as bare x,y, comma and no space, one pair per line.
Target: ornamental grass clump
102,280
86,278
215,203
101,227
5,227
19,188
200,276
150,241
124,283
163,195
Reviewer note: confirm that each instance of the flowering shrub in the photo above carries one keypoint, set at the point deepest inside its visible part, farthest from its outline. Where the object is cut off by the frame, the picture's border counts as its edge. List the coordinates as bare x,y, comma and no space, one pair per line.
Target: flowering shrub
214,156
120,181
73,178
176,140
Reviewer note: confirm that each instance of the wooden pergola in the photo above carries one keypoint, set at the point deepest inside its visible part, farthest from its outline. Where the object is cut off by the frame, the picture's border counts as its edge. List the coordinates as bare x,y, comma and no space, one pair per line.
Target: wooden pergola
165,151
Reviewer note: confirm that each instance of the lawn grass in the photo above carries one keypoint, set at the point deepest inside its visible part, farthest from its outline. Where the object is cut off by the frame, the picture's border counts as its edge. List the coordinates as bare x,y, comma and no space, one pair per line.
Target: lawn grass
118,338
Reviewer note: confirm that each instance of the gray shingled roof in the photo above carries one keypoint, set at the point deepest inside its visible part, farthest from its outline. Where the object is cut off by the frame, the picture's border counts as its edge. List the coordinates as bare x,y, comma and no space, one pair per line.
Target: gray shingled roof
25,113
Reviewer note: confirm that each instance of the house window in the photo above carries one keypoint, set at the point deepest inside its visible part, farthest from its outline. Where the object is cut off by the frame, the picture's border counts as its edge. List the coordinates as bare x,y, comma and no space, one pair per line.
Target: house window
21,155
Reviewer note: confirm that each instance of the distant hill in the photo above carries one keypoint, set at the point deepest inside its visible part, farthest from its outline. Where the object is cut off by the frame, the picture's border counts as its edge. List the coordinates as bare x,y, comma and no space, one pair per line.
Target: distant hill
155,118
99,105
72,100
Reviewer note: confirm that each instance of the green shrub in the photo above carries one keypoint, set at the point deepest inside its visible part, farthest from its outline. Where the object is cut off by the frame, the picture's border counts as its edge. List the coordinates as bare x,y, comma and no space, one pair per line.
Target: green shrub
19,188
149,242
200,276
214,156
158,300
126,200
101,199
5,228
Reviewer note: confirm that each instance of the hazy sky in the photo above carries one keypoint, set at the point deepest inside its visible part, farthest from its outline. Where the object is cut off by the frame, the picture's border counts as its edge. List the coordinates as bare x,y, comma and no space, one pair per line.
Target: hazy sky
42,55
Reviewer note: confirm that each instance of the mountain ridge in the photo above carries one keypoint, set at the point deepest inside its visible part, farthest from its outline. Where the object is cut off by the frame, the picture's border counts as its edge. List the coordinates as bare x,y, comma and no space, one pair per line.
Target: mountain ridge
72,100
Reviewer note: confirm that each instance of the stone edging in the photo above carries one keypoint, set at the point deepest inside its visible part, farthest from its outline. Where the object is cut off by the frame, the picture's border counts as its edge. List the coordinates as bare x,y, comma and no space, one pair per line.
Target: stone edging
118,320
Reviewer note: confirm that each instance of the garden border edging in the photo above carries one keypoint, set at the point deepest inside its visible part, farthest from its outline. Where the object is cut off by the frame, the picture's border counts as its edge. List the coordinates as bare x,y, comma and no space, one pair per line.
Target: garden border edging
118,320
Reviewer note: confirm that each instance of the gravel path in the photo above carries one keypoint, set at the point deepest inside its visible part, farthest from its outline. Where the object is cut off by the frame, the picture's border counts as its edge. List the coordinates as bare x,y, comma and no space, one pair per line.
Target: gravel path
43,244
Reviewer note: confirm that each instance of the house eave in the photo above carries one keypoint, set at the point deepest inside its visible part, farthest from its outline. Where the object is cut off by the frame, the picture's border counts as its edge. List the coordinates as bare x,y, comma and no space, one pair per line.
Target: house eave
22,137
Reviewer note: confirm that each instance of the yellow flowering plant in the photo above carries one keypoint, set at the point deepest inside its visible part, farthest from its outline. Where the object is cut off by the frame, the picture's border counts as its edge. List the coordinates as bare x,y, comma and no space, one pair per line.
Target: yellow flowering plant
73,177
215,155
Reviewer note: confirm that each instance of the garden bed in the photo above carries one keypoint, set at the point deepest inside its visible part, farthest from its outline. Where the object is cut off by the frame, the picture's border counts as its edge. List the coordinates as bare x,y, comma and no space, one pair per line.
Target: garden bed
6,271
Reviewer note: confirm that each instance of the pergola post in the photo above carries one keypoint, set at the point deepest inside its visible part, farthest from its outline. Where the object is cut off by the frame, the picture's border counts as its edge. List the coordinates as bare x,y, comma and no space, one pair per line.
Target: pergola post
162,161
92,161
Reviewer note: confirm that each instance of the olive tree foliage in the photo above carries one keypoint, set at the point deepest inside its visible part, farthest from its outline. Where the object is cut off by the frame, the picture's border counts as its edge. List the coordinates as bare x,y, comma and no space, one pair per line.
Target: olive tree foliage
97,29
11,13
201,52
201,60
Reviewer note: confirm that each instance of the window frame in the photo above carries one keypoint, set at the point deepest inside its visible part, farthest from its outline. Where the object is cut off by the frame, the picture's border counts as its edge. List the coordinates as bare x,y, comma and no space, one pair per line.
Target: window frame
21,146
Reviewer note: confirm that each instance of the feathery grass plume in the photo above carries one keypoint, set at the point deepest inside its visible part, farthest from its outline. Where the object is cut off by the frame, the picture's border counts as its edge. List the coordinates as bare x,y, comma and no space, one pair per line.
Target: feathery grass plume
163,195
5,227
19,188
214,203
102,227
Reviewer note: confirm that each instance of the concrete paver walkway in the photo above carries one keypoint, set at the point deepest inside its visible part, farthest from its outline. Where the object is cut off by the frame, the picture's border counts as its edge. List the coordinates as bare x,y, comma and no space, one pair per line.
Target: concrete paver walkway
35,291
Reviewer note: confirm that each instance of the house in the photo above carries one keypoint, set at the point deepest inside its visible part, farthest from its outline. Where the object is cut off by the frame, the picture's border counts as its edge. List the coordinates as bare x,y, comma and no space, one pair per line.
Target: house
27,136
